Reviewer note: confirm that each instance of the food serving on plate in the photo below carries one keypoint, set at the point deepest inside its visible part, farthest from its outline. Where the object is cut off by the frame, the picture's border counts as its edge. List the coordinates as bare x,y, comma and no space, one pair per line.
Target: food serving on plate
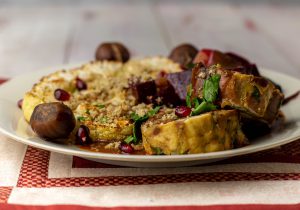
192,102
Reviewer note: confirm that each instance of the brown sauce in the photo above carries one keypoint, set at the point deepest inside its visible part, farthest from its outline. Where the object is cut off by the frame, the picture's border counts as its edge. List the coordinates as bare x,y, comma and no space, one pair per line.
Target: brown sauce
100,147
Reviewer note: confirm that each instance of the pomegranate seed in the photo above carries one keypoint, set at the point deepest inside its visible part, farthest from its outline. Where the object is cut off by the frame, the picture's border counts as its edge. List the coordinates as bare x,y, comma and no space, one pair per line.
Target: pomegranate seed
61,95
126,148
182,111
20,103
82,135
80,84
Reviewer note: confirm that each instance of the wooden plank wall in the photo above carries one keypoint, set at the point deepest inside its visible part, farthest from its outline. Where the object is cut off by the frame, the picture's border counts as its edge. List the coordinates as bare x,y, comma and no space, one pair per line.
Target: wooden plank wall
36,34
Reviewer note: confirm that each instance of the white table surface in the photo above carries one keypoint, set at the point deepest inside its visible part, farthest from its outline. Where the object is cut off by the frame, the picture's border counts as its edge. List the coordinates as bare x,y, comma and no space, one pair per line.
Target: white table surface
36,34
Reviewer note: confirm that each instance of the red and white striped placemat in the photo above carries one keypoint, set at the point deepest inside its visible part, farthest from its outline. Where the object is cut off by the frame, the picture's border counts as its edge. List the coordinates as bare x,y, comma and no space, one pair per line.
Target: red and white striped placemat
270,177
32,178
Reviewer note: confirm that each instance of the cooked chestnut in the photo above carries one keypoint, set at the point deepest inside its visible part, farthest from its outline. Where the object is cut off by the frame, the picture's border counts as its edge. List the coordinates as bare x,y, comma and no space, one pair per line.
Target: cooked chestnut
112,51
52,121
172,87
183,54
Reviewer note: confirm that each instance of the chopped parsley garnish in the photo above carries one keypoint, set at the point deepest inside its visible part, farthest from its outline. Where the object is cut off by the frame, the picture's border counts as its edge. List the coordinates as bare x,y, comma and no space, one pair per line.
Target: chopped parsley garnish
210,94
256,93
157,151
152,112
211,88
137,134
129,139
103,119
203,107
196,102
100,106
135,117
81,118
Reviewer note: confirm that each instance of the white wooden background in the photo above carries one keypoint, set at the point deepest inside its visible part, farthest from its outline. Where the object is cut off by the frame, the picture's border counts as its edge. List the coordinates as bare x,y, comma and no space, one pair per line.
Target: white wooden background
36,34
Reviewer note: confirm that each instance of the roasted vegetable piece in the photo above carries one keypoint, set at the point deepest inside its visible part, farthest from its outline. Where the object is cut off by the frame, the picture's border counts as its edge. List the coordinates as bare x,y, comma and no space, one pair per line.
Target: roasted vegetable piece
236,57
229,61
144,92
209,132
180,81
199,74
172,88
166,92
255,96
211,57
52,121
105,127
244,65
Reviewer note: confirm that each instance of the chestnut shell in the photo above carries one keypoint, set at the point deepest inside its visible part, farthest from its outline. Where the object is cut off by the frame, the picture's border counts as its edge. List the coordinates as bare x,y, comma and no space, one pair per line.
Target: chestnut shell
183,54
112,51
52,121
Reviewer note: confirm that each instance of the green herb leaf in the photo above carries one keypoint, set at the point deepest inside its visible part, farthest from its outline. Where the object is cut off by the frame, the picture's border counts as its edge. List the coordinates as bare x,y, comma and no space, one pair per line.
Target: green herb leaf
80,118
134,116
87,112
256,93
152,112
211,88
130,139
157,151
188,96
100,106
137,134
204,107
196,102
142,119
103,119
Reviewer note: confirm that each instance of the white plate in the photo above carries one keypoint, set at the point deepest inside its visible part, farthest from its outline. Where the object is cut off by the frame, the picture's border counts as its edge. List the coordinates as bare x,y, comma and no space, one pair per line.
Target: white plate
12,124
